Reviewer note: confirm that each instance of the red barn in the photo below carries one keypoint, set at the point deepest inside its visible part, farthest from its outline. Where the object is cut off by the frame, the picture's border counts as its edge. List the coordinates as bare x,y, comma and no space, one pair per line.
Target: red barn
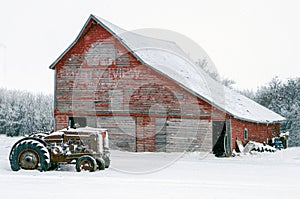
150,95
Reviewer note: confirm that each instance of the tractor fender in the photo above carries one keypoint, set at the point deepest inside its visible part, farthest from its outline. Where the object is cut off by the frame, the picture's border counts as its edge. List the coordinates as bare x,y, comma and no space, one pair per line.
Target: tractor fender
27,138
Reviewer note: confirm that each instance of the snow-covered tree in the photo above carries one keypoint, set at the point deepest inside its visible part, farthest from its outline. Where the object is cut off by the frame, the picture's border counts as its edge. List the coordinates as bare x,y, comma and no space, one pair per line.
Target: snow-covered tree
23,112
284,99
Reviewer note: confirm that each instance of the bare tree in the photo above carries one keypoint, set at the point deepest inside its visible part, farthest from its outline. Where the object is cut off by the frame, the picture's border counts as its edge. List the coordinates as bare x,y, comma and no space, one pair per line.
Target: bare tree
203,64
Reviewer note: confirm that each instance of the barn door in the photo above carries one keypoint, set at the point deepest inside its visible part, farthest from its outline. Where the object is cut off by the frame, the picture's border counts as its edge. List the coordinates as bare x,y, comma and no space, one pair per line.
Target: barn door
145,134
222,138
218,130
122,131
160,134
228,139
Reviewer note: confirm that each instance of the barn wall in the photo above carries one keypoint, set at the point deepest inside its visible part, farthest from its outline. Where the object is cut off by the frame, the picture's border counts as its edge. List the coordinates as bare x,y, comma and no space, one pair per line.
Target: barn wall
256,131
99,79
122,131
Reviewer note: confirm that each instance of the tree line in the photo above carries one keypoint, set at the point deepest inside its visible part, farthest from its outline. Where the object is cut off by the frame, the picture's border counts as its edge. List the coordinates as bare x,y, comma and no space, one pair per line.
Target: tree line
282,97
22,112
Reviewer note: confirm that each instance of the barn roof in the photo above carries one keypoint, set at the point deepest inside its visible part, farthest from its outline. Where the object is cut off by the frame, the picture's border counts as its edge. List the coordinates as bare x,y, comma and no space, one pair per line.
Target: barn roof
168,59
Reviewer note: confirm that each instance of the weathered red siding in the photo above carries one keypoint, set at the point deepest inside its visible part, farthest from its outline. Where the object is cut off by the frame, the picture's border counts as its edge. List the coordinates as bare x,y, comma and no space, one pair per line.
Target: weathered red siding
256,131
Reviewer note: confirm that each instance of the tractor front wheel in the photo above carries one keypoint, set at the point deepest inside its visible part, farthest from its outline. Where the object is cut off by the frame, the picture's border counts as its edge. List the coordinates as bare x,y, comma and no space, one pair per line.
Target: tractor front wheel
107,161
100,163
86,163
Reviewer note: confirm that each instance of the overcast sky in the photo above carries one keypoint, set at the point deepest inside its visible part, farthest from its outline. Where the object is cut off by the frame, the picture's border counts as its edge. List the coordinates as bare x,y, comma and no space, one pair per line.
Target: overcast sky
250,41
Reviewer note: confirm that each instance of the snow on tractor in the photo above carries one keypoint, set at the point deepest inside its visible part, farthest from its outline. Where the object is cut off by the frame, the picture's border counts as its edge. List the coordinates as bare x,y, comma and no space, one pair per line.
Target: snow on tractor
86,147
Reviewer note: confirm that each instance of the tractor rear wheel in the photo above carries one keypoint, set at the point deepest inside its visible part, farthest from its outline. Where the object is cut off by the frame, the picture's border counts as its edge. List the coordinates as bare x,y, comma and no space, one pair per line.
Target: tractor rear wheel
86,163
29,154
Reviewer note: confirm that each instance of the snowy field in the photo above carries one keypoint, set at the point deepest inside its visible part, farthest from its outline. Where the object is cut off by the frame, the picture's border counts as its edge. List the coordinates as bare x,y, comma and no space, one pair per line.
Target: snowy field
160,175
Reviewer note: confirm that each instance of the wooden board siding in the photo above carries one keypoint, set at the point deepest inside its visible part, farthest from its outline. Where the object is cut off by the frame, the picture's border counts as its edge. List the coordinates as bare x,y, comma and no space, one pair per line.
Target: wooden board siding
61,121
188,135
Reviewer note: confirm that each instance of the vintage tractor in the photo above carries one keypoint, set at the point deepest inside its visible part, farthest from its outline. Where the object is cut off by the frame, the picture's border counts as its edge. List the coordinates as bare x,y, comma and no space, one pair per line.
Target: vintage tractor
86,147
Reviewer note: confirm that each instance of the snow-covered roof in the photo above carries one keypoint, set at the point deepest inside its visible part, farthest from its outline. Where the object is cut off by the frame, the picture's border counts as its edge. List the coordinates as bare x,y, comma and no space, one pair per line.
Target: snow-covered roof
169,59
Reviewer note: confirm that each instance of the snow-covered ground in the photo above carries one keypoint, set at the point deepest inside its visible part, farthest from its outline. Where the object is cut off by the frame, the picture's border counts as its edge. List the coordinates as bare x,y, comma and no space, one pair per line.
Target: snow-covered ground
160,175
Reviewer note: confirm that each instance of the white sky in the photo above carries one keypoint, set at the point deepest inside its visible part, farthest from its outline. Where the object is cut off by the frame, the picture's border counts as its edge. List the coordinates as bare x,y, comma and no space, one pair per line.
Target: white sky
250,41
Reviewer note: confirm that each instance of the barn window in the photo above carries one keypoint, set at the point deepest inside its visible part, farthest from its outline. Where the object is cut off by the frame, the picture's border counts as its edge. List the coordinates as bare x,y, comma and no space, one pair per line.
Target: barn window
75,122
245,134
178,95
